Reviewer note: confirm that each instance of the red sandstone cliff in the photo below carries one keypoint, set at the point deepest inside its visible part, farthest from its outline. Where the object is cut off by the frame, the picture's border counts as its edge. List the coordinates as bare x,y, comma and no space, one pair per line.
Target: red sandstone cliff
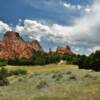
13,46
65,51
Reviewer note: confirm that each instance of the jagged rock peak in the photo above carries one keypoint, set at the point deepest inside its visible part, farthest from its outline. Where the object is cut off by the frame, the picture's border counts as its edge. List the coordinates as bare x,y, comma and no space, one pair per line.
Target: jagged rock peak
11,34
64,50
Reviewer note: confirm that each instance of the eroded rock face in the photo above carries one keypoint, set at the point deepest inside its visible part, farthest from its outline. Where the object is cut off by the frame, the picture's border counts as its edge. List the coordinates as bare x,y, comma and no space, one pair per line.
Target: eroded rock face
13,46
65,51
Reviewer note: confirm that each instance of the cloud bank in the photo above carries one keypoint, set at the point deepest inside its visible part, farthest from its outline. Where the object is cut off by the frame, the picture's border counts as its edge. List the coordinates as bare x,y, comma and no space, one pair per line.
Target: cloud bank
83,35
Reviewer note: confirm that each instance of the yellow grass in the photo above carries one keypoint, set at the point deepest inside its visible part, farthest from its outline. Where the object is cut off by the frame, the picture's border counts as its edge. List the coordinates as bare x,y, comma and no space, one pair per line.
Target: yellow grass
62,82
47,68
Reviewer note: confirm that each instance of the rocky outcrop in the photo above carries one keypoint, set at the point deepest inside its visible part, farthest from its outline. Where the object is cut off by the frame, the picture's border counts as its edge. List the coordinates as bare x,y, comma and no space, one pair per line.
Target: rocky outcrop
13,46
34,45
64,51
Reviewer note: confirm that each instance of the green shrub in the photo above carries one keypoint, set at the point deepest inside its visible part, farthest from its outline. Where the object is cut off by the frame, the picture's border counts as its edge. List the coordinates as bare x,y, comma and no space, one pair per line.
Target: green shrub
3,72
42,84
18,72
4,82
57,76
21,79
89,76
3,62
3,77
72,77
90,62
68,73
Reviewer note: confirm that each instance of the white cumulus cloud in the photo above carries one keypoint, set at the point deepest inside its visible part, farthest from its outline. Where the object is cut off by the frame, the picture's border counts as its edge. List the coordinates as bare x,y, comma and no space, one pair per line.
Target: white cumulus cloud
84,31
71,6
4,27
84,34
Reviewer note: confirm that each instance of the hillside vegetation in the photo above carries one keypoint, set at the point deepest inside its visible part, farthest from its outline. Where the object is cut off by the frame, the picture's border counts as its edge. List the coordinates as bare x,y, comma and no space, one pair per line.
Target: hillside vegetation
39,58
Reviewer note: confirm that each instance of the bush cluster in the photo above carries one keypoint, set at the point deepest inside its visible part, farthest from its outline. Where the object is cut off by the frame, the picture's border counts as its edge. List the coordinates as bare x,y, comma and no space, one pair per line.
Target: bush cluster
90,62
42,84
3,77
18,72
4,73
3,62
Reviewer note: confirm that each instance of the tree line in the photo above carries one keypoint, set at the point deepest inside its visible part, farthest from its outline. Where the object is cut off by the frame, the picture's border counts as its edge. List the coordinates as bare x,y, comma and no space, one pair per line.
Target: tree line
39,58
90,62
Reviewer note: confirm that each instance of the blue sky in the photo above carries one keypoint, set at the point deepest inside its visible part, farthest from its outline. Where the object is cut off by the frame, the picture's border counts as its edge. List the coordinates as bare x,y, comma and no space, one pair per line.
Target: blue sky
54,22
13,10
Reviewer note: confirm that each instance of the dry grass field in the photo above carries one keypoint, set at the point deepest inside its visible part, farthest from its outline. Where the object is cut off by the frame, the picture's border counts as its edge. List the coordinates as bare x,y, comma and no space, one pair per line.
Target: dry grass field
52,82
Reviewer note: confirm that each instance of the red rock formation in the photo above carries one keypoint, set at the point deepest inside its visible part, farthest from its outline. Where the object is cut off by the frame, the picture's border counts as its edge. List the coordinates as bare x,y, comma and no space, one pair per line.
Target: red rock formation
13,46
65,51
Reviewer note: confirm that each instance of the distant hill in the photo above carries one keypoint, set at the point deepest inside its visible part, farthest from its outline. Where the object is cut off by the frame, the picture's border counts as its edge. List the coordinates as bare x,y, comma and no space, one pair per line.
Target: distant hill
12,45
